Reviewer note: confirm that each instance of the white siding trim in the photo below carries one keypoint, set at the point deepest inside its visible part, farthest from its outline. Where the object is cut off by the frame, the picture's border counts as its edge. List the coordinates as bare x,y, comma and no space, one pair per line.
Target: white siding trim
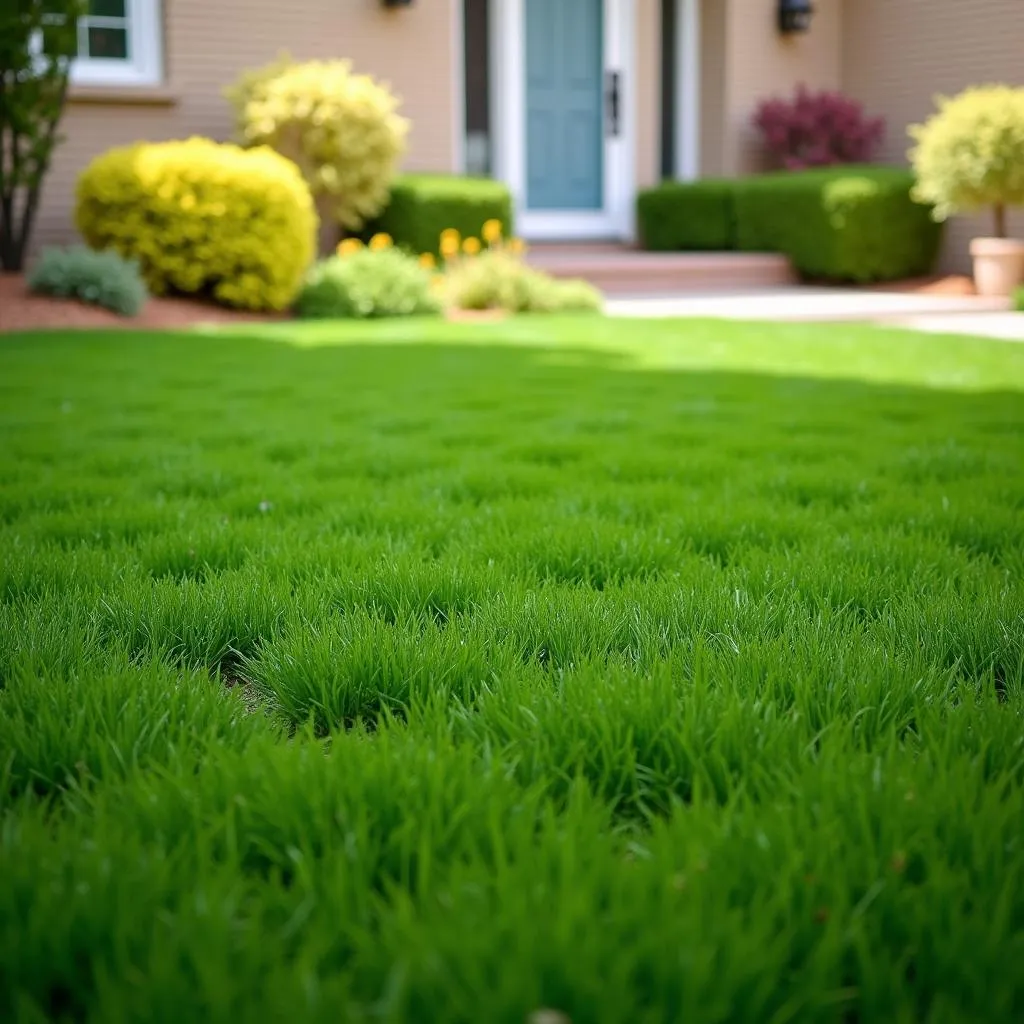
687,56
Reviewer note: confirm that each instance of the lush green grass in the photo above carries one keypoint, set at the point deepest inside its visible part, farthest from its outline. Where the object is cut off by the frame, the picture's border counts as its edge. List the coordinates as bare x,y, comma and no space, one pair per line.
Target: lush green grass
645,672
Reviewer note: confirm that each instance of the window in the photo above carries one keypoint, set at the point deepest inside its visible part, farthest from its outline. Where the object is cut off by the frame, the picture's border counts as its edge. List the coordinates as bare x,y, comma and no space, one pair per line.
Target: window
118,44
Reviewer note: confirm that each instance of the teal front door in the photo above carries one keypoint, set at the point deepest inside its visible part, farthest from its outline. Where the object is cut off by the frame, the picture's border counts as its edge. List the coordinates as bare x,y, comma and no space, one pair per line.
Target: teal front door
564,104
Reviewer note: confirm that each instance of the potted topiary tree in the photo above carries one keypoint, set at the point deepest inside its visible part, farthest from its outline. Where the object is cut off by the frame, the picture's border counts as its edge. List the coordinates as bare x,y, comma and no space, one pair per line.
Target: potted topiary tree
970,156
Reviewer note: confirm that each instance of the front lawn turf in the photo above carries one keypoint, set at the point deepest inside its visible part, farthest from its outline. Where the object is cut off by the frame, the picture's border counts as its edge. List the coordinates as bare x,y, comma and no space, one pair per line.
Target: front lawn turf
450,673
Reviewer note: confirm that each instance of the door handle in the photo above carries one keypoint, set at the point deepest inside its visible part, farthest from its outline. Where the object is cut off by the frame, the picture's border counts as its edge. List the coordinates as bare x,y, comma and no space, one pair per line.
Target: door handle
614,104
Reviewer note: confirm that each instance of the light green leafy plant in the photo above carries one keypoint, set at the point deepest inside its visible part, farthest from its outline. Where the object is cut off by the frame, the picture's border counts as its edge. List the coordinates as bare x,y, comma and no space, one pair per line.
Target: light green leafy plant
498,279
970,154
367,284
342,129
104,279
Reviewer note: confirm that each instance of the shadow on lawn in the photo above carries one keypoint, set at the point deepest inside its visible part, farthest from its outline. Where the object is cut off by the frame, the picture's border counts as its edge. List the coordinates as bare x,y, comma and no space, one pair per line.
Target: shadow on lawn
800,370
728,399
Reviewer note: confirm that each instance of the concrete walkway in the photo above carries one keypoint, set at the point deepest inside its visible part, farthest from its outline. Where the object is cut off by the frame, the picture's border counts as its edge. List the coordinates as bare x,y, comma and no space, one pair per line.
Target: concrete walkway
1003,326
954,314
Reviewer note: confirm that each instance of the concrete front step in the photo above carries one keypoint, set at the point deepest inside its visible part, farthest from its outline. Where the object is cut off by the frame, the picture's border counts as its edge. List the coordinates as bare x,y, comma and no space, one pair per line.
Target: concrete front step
618,270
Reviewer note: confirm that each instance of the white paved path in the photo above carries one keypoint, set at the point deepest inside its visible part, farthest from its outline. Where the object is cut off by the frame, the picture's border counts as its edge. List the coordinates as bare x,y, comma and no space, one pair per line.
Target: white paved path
943,313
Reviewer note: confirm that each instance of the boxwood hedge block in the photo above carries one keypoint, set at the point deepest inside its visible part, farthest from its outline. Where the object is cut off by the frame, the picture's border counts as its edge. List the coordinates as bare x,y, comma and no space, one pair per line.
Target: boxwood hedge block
423,205
677,216
845,224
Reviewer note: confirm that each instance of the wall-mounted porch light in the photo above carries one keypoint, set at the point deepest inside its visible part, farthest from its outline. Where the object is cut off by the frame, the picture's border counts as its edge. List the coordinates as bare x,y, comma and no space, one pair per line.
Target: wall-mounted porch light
795,16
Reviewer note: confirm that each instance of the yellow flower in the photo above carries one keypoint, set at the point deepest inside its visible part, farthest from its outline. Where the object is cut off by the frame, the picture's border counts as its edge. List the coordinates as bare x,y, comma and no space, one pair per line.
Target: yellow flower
491,231
427,261
347,246
380,241
471,246
450,235
449,247
517,247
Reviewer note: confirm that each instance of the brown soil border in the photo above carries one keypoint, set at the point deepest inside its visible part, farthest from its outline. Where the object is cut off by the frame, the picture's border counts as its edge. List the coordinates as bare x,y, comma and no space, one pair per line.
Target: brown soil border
22,311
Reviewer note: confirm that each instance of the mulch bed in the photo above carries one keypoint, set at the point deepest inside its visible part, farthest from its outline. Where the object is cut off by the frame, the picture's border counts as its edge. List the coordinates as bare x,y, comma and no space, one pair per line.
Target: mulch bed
22,311
952,284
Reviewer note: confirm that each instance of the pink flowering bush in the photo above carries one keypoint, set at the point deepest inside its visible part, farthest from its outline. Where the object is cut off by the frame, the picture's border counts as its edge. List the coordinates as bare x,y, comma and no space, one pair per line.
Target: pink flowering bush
818,130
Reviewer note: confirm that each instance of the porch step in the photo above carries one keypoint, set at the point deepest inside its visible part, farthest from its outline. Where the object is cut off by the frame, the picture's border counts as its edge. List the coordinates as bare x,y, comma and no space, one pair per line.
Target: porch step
618,270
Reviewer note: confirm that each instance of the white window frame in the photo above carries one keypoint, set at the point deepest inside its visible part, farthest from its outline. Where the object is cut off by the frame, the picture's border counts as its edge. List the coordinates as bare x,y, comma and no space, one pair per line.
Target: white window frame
144,66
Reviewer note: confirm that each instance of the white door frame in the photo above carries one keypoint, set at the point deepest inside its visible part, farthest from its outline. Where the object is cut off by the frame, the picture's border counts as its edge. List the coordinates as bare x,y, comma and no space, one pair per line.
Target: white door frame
508,118
687,56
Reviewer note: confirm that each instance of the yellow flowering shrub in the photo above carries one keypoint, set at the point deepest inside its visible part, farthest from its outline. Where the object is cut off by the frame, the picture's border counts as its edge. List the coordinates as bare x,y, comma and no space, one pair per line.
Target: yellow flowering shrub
341,128
201,217
498,279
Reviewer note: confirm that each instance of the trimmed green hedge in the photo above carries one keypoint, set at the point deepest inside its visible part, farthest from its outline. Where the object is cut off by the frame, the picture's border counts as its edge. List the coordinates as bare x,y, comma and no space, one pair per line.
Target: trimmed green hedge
845,224
423,205
839,223
677,216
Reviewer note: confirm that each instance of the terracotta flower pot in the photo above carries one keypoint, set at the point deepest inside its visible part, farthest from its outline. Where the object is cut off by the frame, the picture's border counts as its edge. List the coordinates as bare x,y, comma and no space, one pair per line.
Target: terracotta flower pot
998,265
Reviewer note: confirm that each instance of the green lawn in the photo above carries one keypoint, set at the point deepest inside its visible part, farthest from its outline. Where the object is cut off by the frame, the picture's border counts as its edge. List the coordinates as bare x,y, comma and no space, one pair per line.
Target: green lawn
417,673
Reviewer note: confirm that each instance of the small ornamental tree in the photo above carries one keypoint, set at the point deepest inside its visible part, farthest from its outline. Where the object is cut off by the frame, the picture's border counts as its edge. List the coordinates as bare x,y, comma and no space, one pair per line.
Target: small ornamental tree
38,40
970,154
818,130
342,129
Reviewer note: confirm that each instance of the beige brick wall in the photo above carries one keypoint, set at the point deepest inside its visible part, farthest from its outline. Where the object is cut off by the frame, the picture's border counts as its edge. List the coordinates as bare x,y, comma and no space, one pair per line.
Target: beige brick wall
648,92
713,36
208,42
898,54
892,54
760,62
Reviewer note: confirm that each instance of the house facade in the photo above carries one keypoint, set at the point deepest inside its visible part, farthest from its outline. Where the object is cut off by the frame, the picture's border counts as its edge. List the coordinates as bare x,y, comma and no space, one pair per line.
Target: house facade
576,104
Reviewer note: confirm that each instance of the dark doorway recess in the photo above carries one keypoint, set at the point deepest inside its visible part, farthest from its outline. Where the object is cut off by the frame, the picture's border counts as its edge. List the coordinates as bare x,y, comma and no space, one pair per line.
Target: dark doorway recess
477,48
669,71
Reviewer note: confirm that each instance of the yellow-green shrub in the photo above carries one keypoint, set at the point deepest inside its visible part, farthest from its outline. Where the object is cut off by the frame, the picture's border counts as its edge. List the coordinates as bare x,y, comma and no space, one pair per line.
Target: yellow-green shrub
342,129
970,154
497,279
202,217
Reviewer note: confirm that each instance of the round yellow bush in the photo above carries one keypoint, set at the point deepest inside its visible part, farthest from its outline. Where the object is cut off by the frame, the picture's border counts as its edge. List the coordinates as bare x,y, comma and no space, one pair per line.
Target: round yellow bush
341,128
203,218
